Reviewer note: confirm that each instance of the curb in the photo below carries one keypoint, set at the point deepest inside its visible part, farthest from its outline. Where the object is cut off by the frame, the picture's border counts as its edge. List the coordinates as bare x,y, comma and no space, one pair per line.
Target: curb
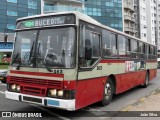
141,100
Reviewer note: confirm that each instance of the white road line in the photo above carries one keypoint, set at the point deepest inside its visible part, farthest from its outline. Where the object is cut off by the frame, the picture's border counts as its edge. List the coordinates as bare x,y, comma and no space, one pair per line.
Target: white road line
51,113
3,84
2,92
92,109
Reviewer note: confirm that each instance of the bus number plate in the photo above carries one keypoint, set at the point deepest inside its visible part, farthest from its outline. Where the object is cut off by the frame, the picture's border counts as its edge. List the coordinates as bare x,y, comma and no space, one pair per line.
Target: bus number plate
58,71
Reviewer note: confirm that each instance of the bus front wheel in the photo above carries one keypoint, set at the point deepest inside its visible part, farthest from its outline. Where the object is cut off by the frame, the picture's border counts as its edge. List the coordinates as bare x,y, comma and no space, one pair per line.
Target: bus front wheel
108,92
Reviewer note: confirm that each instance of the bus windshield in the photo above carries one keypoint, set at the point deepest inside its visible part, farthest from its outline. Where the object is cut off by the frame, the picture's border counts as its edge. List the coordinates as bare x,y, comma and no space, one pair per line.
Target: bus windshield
45,47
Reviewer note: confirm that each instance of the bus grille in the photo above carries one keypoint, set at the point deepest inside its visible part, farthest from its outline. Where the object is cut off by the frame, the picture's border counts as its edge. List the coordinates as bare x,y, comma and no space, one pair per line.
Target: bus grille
33,90
33,81
34,86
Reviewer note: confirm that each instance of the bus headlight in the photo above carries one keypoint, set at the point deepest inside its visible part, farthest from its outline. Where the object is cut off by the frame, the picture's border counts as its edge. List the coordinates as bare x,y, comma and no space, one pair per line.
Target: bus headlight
18,88
60,93
63,94
52,92
15,87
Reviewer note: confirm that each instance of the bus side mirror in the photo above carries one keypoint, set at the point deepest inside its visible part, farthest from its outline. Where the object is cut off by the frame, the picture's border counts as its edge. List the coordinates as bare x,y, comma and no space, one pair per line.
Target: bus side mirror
5,38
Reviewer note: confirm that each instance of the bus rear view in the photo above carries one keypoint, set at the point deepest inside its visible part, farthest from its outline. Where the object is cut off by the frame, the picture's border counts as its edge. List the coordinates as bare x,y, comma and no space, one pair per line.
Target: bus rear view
42,70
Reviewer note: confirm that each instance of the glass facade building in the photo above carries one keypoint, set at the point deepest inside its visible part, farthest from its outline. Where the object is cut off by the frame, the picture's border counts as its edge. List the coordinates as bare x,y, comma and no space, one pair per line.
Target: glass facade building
61,5
108,12
10,10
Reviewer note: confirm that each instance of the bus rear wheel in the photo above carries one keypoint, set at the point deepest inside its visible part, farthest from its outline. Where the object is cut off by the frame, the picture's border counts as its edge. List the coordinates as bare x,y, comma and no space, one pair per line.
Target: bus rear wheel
146,82
108,92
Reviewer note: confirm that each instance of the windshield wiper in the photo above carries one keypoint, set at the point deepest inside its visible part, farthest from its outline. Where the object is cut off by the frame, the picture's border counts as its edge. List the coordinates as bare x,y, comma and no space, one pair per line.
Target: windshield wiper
48,68
31,52
25,56
42,56
14,60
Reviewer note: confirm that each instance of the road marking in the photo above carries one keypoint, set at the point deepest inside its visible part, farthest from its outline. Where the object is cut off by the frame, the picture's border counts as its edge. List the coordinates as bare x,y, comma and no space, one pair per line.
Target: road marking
142,99
51,113
127,108
91,109
2,92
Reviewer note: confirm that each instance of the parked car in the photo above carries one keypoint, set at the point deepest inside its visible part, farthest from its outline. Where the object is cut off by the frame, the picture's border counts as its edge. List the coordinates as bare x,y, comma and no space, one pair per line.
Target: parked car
3,76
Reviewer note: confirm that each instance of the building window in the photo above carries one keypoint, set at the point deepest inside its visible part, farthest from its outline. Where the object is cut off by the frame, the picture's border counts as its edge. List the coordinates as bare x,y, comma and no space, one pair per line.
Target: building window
30,14
11,13
48,7
13,1
32,4
10,26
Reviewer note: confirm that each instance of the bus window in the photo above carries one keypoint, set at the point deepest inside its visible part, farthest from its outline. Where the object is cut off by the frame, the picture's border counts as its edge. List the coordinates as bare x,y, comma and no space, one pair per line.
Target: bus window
121,43
141,50
144,48
127,47
109,44
124,47
89,48
154,52
134,48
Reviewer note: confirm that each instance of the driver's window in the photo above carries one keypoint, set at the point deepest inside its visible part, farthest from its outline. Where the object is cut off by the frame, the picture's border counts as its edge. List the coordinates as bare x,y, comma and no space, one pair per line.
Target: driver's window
89,48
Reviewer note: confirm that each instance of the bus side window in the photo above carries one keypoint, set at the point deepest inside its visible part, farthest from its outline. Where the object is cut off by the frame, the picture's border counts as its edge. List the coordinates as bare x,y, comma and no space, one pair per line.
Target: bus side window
122,46
134,48
109,44
89,51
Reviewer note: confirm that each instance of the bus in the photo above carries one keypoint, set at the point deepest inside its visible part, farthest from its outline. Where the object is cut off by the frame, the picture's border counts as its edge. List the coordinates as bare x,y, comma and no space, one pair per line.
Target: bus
68,60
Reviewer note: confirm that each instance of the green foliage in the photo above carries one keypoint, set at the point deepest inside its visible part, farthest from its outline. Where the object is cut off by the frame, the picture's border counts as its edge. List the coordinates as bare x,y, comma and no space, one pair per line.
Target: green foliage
4,65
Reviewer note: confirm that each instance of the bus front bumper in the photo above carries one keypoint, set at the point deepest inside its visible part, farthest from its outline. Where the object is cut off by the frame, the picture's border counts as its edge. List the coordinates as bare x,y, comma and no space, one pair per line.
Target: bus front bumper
42,101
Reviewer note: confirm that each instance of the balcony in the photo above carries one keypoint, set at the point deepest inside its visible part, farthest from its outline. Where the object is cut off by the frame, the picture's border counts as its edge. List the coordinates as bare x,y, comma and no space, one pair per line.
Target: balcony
65,1
130,29
60,8
129,18
129,6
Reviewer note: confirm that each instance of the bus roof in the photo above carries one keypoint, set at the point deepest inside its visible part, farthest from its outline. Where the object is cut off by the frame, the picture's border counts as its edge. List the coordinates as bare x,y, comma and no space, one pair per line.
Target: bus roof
86,18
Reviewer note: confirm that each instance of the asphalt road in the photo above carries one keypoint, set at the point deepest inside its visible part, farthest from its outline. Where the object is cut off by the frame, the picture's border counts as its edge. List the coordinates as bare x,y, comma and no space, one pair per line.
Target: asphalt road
94,112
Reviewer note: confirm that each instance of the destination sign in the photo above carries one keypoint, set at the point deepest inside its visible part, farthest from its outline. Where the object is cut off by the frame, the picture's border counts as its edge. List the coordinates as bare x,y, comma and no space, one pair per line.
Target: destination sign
46,21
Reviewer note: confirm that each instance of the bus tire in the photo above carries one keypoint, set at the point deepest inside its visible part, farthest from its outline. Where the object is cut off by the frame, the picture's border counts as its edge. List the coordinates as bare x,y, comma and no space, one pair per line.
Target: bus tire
108,92
146,82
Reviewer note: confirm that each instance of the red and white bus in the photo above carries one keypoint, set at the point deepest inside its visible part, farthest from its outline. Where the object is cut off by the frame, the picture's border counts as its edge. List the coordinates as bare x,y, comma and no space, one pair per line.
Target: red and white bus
69,60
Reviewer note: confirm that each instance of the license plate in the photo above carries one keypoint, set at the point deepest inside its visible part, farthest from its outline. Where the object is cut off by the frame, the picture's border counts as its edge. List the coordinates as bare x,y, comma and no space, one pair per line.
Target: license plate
53,102
1,78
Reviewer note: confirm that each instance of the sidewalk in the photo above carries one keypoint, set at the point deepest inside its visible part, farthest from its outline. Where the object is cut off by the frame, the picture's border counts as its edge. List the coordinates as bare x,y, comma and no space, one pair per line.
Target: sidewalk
150,102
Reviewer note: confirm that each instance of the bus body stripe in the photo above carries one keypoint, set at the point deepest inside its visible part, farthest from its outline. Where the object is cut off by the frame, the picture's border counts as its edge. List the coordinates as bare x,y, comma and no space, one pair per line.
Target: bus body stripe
123,61
112,61
37,73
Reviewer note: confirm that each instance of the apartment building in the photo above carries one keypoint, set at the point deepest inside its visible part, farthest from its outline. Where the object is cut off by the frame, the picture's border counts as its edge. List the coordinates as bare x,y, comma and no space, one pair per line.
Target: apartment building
143,19
131,17
151,21
158,25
